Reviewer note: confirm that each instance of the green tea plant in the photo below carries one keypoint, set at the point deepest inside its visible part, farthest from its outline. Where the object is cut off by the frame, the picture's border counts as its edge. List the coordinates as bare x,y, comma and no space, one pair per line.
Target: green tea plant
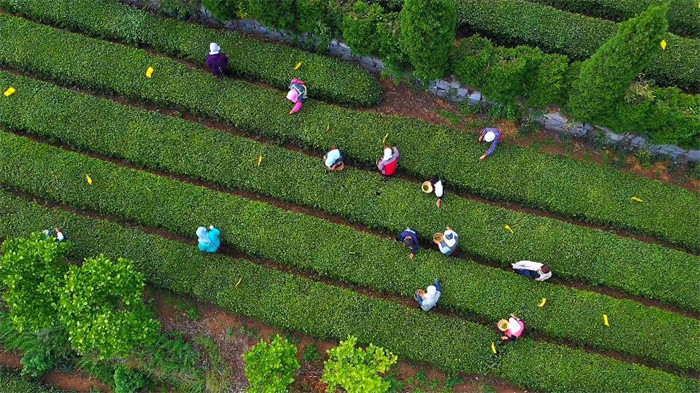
270,367
357,370
127,380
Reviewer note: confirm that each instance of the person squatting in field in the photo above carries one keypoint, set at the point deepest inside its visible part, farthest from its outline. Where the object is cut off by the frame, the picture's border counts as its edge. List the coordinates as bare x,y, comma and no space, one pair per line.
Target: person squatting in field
434,185
297,94
513,328
334,160
208,241
388,163
428,299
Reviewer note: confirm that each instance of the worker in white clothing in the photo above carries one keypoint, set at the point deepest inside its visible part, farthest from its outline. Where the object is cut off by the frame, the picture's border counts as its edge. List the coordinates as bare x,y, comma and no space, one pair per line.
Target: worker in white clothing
428,299
447,241
434,185
536,270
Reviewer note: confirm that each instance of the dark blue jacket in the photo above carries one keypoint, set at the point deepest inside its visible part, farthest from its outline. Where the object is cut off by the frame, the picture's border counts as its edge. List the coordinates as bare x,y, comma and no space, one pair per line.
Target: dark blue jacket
408,232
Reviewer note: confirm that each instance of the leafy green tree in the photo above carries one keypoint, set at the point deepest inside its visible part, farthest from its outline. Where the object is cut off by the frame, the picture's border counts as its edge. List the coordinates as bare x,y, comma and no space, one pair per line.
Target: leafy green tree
223,9
102,307
270,367
428,35
32,272
357,370
605,77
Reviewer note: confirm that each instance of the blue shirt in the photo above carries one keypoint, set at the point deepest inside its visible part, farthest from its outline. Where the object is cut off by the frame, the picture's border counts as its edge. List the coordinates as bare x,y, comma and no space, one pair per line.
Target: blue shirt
494,143
408,232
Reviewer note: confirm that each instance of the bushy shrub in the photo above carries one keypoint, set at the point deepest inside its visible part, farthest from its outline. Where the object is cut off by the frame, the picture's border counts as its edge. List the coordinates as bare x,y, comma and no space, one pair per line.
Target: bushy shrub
102,307
280,14
181,9
509,74
428,34
357,370
270,367
368,30
32,276
127,380
606,76
312,13
223,9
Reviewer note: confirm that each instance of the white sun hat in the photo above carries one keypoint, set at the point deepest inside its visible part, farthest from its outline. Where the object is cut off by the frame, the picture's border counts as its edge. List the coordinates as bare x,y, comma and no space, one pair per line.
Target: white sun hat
490,136
214,48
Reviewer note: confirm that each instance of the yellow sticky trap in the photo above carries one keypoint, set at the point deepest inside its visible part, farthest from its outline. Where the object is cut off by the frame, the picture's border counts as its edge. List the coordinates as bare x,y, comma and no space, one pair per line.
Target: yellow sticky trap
239,281
493,347
384,140
634,198
89,179
543,302
149,72
259,159
296,67
9,92
605,320
509,229
663,44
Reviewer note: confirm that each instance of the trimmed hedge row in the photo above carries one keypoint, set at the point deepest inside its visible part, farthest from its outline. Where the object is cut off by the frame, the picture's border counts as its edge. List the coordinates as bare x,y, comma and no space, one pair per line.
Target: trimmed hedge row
12,382
683,16
291,302
327,78
553,183
576,35
161,142
329,249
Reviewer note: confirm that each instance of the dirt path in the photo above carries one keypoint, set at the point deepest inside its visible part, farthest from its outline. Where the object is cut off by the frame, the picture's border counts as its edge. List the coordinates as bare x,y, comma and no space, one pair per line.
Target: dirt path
77,381
235,335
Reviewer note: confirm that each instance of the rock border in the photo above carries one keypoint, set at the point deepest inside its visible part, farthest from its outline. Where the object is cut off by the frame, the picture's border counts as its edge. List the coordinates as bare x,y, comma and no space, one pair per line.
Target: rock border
453,91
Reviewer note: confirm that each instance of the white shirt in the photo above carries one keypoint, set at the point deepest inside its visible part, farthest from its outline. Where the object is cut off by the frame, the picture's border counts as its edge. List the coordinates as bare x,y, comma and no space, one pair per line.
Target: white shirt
513,325
438,189
535,266
430,299
447,245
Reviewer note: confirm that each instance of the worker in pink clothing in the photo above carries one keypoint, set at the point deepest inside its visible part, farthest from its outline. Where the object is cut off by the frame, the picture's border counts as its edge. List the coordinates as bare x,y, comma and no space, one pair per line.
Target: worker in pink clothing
297,94
513,328
389,161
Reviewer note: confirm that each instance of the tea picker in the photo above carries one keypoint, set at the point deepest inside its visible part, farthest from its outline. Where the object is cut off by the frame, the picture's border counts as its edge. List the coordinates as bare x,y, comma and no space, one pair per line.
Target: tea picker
217,62
493,136
409,238
428,299
208,240
447,241
513,328
434,185
536,270
297,94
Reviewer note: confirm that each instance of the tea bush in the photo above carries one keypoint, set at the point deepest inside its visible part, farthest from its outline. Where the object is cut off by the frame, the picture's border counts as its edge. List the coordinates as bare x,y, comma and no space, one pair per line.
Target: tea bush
427,35
283,300
586,191
357,370
291,238
270,368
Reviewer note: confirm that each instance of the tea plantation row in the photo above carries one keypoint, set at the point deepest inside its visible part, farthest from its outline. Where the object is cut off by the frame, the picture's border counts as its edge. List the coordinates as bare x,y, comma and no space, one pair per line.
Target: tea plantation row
553,182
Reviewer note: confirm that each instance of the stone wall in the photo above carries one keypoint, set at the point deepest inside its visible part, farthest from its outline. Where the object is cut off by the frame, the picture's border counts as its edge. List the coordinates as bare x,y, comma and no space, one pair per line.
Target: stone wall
451,90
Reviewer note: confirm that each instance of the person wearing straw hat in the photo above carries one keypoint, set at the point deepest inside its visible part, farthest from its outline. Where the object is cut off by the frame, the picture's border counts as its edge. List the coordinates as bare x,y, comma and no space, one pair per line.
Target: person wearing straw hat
389,161
296,94
434,184
447,241
513,328
536,270
409,238
217,62
493,136
428,299
208,240
334,160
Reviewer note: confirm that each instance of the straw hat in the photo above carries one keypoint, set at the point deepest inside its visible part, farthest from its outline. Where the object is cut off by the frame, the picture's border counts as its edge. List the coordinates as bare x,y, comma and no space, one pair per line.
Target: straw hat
503,325
438,237
427,187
